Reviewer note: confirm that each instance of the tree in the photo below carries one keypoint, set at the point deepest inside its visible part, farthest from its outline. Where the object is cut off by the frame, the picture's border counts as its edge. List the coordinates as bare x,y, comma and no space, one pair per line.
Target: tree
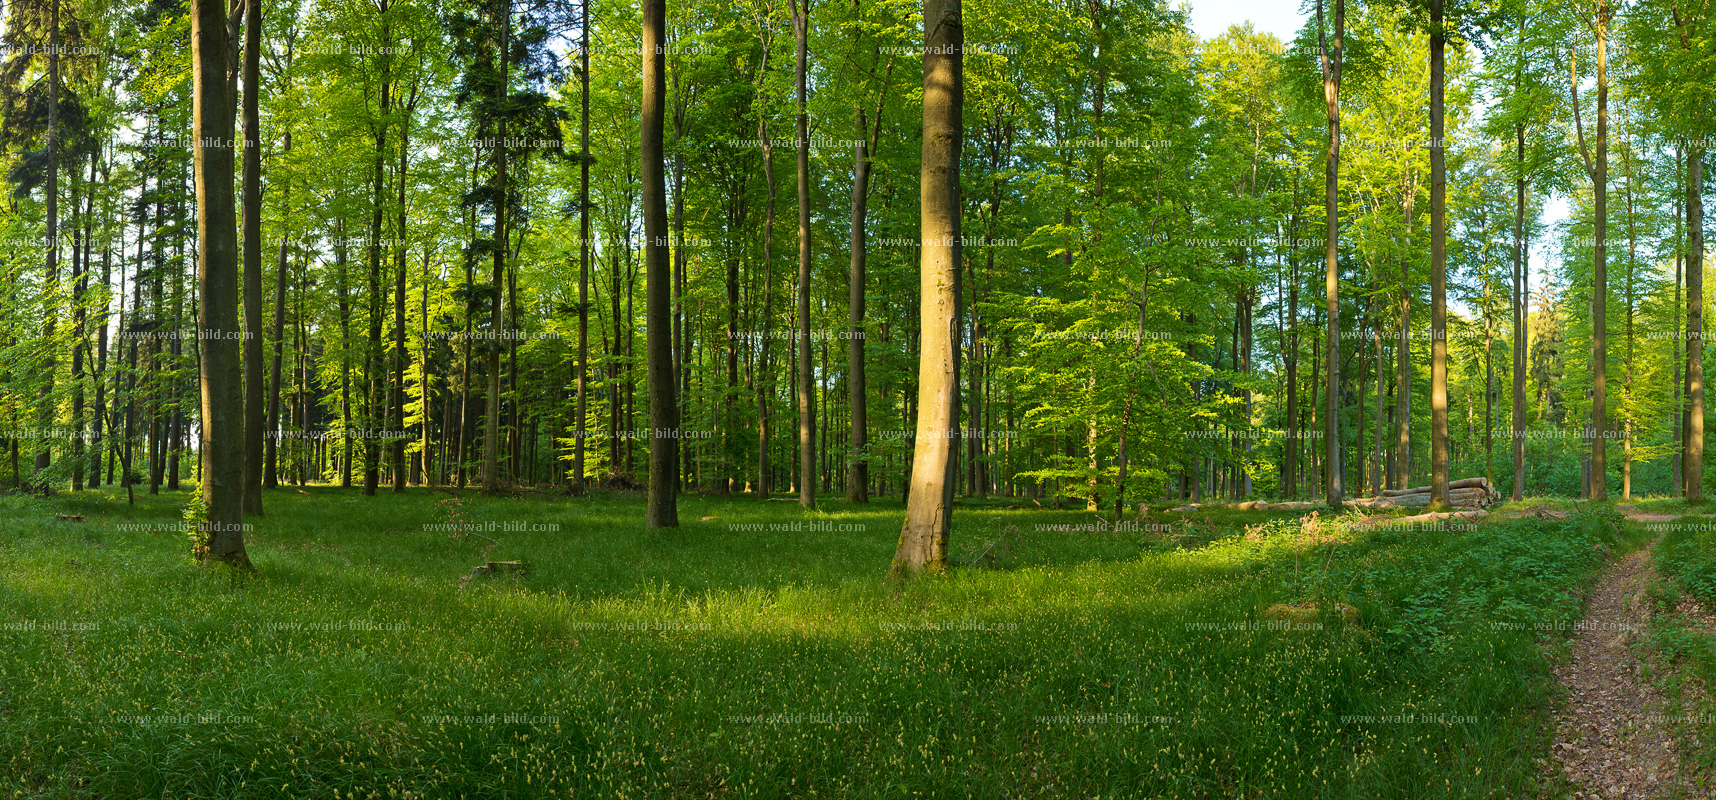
1597,169
252,255
1331,68
582,411
663,509
1438,263
217,284
806,380
1667,55
858,468
929,504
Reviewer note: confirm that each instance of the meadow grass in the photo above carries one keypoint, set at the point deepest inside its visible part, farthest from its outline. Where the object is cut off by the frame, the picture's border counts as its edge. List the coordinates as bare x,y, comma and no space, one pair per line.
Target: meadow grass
760,651
1686,563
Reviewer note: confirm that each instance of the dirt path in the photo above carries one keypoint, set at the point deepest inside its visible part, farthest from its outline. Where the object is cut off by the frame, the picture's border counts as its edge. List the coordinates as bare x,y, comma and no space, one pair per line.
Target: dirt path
1606,739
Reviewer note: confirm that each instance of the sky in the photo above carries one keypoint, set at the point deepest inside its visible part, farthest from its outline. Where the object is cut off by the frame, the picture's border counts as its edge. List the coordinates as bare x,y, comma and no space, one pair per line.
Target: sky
1211,18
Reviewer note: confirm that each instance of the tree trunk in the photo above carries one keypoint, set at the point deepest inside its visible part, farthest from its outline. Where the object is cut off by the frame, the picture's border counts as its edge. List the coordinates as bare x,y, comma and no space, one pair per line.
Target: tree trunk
217,282
1693,474
857,468
45,414
581,426
763,484
662,511
341,266
806,374
374,399
1331,63
97,443
252,242
426,379
1600,271
1679,462
1521,297
400,355
1379,473
80,286
497,322
1290,464
1438,269
270,476
929,507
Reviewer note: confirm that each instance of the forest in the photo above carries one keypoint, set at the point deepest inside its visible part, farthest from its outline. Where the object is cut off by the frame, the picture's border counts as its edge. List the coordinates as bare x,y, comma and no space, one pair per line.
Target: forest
1055,314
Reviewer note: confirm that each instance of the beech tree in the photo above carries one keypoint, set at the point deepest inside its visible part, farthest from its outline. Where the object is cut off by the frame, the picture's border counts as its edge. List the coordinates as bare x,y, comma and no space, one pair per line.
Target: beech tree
929,504
222,442
663,509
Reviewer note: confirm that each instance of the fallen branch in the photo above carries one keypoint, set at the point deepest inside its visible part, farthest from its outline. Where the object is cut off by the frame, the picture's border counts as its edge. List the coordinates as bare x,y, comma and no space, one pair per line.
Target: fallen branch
497,567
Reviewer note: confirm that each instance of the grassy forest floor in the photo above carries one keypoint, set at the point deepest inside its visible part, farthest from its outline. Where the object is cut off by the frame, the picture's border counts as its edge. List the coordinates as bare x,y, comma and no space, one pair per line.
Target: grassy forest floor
759,651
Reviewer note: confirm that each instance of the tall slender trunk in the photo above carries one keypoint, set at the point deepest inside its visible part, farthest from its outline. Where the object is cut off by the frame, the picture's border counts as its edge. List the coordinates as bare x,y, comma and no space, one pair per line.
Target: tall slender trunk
1379,472
762,383
1694,471
427,380
582,412
1521,296
1632,271
97,443
462,444
806,370
857,467
217,282
252,255
374,398
497,322
45,414
1438,268
1679,405
400,355
929,506
80,286
663,509
341,266
270,476
1600,273
1290,463
1402,464
616,355
1331,64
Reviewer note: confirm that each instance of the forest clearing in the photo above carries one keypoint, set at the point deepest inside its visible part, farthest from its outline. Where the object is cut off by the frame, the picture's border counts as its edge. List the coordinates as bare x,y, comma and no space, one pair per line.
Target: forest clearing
1004,398
1183,657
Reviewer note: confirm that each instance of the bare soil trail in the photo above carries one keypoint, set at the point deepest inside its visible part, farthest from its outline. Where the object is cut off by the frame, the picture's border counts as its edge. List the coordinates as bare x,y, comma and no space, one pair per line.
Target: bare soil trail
1609,738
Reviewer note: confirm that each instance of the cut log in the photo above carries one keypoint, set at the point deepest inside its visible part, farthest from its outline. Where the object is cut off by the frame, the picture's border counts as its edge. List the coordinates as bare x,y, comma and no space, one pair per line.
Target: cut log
1462,493
1433,516
1463,483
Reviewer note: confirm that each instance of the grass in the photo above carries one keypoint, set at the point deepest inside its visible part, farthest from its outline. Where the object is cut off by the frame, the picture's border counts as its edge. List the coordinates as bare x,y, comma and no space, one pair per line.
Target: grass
759,652
1686,563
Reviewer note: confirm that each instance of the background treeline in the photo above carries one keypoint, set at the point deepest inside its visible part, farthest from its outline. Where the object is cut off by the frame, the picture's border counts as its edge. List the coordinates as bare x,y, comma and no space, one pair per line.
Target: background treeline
440,299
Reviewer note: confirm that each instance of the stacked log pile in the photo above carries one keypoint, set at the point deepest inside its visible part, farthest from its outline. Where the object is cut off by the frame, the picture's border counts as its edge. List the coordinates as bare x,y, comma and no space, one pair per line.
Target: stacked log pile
1249,505
1463,493
1438,517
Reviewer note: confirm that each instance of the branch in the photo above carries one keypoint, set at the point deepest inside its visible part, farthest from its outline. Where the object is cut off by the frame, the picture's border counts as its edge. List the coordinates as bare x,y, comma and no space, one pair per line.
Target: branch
1578,122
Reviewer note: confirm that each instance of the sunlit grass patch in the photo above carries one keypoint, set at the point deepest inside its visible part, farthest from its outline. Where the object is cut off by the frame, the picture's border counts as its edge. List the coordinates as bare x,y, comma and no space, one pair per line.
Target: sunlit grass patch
727,658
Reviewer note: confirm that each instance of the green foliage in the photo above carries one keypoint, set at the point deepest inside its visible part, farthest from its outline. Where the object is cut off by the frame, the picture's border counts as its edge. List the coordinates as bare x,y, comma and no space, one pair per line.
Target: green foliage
640,664
1687,553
